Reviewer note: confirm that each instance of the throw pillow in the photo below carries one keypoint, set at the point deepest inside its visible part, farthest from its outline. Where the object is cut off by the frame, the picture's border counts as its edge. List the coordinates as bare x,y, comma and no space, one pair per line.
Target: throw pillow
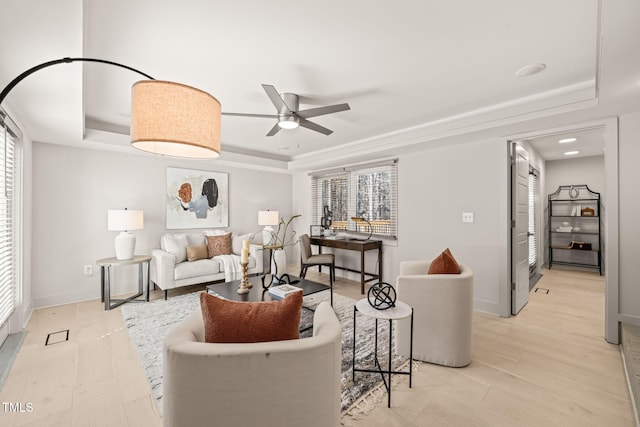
219,245
444,263
196,252
228,321
176,245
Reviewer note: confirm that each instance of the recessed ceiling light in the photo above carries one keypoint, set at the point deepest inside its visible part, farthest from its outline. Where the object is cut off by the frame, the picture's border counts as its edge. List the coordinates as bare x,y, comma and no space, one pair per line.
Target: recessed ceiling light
571,153
530,70
564,141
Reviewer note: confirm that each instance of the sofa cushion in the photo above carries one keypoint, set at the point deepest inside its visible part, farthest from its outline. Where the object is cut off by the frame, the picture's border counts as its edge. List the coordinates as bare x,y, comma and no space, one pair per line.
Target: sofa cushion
444,263
196,252
228,321
237,241
199,268
215,232
175,244
196,239
219,245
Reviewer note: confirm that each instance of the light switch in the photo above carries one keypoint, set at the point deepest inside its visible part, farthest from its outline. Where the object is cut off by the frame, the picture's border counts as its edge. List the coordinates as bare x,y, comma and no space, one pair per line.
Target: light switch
467,216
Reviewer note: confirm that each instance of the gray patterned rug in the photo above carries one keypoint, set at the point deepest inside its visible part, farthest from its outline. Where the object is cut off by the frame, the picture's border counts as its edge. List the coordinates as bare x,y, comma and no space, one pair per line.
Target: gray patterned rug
148,323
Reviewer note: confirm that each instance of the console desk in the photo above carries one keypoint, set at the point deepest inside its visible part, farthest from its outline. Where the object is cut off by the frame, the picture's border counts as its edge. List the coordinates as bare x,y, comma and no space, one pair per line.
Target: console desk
354,245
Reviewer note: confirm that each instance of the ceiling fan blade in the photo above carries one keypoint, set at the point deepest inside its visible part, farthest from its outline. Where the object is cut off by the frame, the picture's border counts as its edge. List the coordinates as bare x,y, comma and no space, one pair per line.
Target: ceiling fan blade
276,99
268,116
314,126
275,129
314,112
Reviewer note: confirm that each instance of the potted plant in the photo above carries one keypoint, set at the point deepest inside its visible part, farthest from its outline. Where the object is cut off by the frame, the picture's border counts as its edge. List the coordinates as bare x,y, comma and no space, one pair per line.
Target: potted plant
280,239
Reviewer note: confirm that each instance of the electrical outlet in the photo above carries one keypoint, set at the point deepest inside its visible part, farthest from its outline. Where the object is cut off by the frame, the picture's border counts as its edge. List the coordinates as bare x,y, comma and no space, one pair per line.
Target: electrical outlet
88,270
467,217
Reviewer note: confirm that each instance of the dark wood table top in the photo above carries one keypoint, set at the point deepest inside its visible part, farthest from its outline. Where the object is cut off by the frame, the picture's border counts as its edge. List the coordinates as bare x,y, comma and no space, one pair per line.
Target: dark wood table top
228,290
350,244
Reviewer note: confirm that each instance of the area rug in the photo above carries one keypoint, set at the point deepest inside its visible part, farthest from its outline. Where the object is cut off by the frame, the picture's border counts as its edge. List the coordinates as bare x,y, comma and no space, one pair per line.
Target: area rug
148,323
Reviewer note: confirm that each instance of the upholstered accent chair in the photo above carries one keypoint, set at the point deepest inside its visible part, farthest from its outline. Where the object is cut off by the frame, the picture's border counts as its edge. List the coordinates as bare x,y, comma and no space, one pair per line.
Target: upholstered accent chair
308,259
278,383
443,314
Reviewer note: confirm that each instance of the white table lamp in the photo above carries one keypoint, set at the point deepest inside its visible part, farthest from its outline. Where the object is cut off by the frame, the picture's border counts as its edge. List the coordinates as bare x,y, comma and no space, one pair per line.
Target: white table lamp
267,218
124,220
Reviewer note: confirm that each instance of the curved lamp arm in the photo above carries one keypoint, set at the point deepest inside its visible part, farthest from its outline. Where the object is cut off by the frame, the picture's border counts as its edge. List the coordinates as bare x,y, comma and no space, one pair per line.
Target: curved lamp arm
360,218
32,70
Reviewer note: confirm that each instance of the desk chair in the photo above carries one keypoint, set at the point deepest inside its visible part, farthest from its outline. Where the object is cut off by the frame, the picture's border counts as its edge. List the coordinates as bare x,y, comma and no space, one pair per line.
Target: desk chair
308,259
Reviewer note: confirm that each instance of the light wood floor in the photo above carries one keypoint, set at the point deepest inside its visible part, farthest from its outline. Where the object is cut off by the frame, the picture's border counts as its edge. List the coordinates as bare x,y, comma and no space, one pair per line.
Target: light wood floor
548,366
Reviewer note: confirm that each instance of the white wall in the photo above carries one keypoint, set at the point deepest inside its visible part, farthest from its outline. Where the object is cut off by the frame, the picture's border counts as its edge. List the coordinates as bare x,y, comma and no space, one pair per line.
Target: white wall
434,187
583,170
629,214
73,189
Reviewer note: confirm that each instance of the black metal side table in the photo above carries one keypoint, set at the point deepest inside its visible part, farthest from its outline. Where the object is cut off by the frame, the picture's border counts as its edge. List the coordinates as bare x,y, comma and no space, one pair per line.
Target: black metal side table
400,311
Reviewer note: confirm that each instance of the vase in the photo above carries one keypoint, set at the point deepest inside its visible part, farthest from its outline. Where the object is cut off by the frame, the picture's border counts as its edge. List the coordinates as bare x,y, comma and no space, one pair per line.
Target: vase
279,262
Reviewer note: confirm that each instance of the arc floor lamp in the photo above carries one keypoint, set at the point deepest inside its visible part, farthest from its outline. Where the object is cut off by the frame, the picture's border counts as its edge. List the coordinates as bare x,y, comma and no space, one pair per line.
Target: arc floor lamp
167,118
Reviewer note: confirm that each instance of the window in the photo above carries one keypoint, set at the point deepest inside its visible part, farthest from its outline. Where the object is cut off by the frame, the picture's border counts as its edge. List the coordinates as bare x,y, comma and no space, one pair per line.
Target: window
533,220
8,138
347,194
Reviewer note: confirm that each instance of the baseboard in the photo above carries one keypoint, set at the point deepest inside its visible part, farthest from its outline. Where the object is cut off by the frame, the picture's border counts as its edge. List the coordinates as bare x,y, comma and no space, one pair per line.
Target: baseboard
56,300
626,318
486,307
8,352
631,391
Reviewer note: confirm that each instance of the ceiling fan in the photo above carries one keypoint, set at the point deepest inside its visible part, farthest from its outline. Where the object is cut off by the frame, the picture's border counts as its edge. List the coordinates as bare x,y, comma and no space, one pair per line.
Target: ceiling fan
289,117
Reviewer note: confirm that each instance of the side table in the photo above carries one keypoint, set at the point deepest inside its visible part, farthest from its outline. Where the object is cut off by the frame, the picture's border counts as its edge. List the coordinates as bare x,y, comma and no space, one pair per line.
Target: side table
400,311
105,265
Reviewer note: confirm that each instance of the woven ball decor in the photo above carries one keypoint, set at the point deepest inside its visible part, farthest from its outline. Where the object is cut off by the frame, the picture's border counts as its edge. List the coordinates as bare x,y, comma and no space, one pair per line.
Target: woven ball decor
382,296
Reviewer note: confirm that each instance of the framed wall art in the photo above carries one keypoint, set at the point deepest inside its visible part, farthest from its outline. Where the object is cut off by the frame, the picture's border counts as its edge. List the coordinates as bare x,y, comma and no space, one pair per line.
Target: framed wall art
197,199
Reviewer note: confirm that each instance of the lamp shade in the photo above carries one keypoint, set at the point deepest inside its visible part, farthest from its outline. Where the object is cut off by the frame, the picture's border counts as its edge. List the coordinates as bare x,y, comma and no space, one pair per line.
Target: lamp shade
124,220
175,120
267,217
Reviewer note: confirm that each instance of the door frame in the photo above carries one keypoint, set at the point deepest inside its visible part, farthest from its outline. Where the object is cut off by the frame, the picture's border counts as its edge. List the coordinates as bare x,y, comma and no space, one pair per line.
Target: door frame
611,225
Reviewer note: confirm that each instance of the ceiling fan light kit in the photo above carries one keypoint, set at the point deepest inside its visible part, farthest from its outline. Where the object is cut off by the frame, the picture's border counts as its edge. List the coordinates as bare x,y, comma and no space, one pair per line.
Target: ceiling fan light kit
289,115
288,122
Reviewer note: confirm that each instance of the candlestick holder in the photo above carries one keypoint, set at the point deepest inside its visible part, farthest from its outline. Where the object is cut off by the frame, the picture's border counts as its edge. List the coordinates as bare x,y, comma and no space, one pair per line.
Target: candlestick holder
245,285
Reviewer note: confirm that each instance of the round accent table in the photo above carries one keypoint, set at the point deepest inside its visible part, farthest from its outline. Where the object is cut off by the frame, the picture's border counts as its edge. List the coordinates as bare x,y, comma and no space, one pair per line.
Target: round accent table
400,311
105,265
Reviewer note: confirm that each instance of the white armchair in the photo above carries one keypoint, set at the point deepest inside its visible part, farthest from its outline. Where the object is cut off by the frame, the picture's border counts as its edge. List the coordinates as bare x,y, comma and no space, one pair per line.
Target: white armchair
279,383
443,314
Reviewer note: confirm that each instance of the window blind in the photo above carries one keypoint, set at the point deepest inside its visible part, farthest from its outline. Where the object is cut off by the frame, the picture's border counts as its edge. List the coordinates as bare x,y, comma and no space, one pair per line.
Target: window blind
533,215
7,220
367,191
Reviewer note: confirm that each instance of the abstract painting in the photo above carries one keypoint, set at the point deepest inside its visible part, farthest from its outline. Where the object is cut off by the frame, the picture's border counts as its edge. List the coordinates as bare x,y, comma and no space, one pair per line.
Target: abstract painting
197,199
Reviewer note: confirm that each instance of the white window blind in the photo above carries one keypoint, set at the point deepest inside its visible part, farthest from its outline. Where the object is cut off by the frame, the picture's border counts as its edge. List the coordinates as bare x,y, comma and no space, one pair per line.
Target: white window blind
7,220
366,191
533,215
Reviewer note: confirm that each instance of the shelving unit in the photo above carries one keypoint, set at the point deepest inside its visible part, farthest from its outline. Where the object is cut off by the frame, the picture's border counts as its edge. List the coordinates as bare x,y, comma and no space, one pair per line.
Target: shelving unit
575,235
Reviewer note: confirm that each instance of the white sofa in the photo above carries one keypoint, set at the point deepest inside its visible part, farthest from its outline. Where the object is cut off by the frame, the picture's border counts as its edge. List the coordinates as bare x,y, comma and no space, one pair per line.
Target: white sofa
442,314
278,383
170,269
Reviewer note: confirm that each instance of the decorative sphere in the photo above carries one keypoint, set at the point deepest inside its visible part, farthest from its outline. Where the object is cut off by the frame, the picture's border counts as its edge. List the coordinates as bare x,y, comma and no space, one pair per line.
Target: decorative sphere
382,296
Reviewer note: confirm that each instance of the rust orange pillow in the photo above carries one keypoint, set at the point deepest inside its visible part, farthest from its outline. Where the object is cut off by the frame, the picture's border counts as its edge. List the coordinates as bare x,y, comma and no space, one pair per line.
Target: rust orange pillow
444,263
228,321
219,245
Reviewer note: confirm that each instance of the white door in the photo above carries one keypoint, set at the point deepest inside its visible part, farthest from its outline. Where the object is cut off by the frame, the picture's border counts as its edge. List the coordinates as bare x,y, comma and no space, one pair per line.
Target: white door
519,227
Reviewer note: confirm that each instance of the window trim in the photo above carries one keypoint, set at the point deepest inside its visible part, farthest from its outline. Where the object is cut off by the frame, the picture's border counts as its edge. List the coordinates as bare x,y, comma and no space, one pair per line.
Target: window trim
9,289
350,174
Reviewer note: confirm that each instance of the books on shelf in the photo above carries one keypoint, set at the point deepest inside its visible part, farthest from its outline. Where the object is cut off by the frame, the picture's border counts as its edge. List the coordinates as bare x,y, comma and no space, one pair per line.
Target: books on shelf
282,291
